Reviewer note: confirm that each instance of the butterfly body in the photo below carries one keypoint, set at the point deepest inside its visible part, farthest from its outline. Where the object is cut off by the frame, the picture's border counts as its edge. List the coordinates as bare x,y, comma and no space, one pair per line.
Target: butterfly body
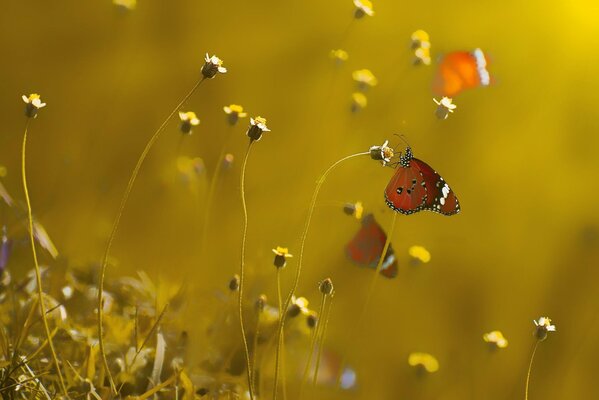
366,247
460,70
415,187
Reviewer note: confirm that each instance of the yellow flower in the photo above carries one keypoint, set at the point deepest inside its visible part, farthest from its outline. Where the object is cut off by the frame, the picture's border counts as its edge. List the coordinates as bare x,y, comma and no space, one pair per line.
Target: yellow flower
281,256
543,326
382,153
496,339
340,56
364,78
213,65
299,305
420,39
257,128
33,104
363,7
422,55
355,209
234,112
188,120
444,107
420,254
127,4
424,361
359,101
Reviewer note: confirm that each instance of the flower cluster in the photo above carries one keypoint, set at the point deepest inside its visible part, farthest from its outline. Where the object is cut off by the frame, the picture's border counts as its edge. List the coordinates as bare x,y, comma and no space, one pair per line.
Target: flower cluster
422,47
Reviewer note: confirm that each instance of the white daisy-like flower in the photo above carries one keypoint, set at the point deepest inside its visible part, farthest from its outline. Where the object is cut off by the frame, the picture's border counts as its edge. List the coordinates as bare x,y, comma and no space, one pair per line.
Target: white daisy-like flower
213,66
257,128
444,107
188,120
34,103
382,153
543,326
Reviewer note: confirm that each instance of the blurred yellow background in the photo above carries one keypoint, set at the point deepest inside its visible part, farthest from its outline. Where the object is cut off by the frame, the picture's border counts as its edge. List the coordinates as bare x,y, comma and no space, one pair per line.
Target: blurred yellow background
521,155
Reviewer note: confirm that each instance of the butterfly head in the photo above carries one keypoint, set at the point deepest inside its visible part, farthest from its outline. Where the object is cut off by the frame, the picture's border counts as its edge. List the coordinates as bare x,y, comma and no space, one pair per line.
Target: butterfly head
404,159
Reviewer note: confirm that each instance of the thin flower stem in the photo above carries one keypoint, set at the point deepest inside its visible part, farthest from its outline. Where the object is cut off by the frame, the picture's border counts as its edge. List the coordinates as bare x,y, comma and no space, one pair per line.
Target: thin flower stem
311,349
301,255
242,271
532,357
321,344
38,274
211,190
280,302
115,226
255,347
369,293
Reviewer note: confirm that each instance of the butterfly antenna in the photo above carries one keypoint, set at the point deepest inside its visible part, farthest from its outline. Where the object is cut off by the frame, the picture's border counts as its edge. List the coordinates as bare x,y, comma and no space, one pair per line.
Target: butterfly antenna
402,137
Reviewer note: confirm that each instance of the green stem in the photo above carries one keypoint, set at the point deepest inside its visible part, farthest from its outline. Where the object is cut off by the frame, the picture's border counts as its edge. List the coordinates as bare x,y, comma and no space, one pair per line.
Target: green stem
532,357
312,344
38,274
242,271
115,226
321,345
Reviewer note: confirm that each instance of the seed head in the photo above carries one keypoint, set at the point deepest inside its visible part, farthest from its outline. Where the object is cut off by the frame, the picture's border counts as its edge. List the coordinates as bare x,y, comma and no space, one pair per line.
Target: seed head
326,287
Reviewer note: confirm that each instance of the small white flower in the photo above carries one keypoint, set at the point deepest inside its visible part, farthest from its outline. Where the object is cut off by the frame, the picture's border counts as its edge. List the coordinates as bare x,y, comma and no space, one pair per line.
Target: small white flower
213,66
257,128
445,106
34,103
382,153
543,326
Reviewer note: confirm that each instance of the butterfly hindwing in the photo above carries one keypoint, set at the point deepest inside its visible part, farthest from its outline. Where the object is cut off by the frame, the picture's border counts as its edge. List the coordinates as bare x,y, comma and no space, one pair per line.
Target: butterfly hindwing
367,245
441,198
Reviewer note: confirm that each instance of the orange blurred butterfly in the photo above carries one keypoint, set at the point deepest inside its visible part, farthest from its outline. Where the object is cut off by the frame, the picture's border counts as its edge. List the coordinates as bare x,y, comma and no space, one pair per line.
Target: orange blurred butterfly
461,70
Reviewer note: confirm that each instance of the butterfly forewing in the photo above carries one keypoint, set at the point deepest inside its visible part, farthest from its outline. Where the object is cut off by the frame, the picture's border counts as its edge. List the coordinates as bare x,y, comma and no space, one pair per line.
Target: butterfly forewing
406,192
441,198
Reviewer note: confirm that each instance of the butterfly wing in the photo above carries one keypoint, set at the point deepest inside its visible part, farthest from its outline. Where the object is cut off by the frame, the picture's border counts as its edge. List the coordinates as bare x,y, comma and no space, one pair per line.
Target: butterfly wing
406,191
441,198
456,71
367,245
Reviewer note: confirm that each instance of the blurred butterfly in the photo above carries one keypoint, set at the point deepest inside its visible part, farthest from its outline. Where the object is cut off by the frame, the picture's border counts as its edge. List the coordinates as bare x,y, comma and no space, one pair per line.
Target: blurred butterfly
461,70
415,186
367,245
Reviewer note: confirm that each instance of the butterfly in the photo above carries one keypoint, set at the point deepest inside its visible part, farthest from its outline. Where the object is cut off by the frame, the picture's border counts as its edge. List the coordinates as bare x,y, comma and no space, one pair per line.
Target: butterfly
415,186
366,247
461,70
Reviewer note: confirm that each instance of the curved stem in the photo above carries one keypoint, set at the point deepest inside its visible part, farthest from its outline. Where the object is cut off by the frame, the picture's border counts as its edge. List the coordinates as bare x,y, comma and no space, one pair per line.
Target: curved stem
38,274
370,291
532,357
242,271
115,226
255,348
301,255
312,344
321,345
